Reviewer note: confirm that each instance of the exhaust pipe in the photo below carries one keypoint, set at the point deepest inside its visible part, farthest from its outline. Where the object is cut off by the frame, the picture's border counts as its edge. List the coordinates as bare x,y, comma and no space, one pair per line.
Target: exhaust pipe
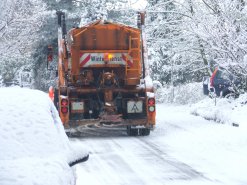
141,26
61,22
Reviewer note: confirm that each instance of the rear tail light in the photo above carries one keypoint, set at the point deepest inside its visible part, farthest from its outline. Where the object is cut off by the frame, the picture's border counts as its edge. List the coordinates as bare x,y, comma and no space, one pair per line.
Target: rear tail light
64,102
64,105
64,110
151,104
151,101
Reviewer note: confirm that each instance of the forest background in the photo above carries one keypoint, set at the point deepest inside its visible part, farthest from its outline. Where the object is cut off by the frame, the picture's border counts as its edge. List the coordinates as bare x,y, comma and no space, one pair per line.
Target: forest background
186,38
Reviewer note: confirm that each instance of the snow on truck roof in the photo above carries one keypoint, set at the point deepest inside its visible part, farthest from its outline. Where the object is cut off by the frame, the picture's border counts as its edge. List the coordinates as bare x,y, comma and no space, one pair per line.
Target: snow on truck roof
106,22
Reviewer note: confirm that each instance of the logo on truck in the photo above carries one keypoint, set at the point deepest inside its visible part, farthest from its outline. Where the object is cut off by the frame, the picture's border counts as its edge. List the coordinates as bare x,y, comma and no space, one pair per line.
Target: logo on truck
87,59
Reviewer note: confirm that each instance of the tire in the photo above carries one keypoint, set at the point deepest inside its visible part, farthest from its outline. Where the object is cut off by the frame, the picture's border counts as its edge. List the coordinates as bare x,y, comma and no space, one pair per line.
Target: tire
205,81
205,89
128,130
68,134
226,93
73,134
56,99
231,96
144,131
132,131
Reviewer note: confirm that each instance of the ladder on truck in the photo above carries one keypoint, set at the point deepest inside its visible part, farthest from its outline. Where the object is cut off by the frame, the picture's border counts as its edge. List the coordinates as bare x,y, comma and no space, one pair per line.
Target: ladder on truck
140,58
133,73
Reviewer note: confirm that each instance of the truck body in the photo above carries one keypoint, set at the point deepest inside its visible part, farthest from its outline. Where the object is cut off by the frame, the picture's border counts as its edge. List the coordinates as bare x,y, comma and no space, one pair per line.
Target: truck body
103,78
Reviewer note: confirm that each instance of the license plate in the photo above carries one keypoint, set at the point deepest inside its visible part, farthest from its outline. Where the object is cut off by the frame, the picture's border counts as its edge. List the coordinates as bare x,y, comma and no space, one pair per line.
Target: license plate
134,106
77,106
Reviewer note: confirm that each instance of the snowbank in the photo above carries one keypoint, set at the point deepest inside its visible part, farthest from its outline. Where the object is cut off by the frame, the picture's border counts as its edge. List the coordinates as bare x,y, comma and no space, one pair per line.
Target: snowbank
184,94
34,148
223,110
217,151
26,117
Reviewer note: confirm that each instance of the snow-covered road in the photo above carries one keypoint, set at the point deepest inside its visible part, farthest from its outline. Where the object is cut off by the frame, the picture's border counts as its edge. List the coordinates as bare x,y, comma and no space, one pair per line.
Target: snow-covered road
183,149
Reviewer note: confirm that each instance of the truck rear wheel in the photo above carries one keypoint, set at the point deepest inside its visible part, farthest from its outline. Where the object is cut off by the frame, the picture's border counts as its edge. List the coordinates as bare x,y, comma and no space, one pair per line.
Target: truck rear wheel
205,85
144,131
136,131
132,131
56,99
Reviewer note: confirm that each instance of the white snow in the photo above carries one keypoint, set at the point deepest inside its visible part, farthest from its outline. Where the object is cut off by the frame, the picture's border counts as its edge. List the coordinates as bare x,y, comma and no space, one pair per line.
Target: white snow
183,94
183,149
33,146
150,95
223,110
148,82
216,150
138,4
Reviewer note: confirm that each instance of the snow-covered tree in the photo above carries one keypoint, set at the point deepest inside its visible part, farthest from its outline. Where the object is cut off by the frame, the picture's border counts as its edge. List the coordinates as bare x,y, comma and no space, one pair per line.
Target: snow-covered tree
166,41
196,36
222,27
19,22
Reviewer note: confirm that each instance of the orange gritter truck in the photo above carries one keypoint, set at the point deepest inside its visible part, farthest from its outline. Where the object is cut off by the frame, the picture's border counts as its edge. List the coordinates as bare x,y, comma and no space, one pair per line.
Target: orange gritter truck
103,77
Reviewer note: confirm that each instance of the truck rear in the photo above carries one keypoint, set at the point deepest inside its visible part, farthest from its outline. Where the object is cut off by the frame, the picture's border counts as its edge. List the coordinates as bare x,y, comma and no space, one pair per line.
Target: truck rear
103,77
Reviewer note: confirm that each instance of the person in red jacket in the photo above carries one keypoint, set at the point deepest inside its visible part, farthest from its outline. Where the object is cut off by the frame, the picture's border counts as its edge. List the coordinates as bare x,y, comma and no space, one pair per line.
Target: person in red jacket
212,78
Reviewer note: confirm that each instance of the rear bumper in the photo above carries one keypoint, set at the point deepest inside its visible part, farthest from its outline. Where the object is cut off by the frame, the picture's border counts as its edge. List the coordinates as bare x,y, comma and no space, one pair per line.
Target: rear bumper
100,122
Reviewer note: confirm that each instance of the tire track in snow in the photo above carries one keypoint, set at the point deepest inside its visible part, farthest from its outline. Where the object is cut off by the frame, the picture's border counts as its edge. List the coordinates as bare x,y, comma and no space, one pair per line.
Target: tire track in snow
108,163
118,159
89,132
186,171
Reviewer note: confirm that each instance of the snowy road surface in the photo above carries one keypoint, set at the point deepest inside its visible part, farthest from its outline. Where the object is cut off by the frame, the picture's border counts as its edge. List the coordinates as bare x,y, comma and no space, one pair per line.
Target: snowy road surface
183,149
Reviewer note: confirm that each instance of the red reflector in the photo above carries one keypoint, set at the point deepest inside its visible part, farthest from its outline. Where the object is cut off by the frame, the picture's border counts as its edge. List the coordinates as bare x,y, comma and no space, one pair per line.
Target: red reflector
49,58
151,101
64,110
64,102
